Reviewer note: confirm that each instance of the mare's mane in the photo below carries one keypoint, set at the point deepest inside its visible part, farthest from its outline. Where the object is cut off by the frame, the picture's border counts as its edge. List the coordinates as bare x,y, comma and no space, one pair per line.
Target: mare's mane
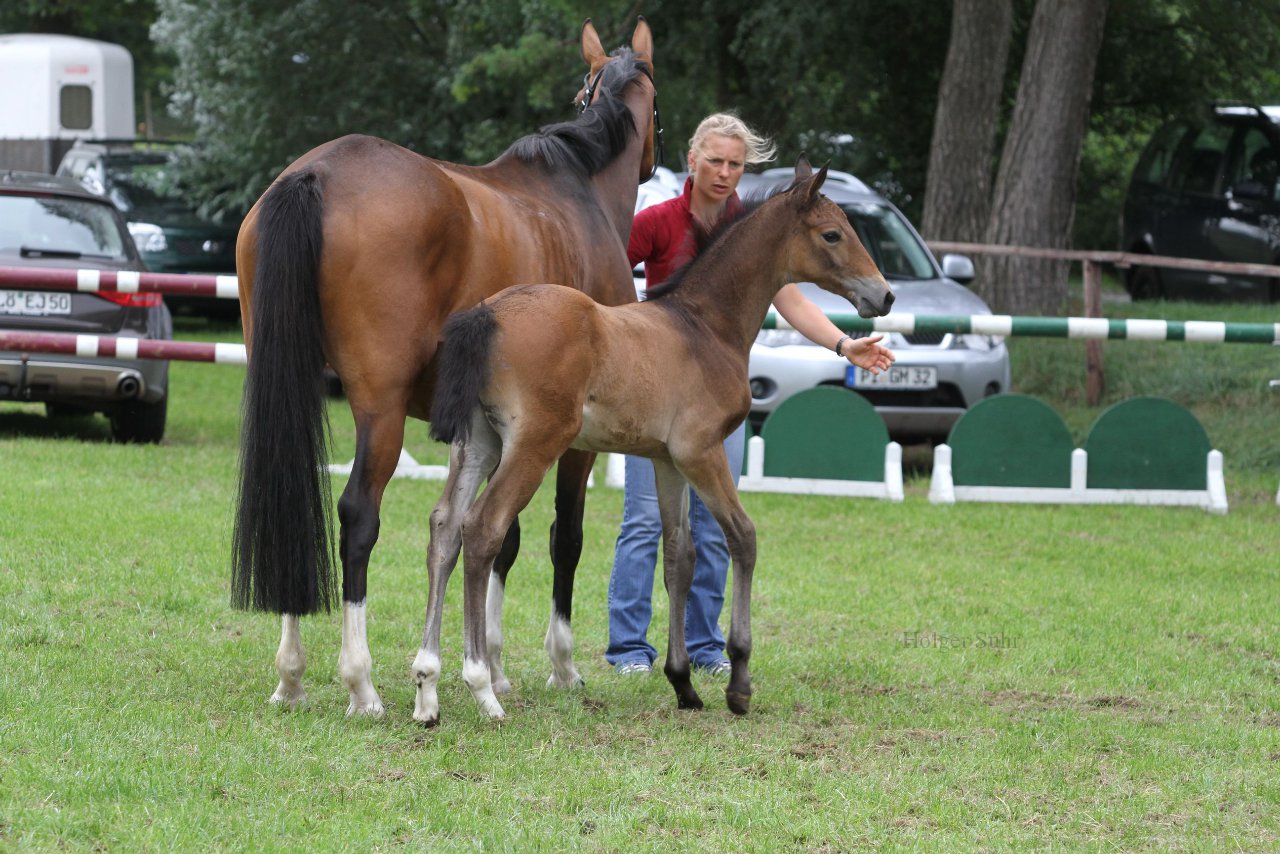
753,202
590,142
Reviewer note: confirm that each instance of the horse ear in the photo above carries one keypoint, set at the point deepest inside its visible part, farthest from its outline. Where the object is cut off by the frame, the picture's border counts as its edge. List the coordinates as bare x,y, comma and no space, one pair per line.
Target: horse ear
642,40
803,169
813,189
592,50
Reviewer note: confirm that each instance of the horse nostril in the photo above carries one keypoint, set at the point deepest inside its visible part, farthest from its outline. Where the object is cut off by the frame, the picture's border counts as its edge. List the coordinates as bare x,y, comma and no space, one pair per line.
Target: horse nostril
888,299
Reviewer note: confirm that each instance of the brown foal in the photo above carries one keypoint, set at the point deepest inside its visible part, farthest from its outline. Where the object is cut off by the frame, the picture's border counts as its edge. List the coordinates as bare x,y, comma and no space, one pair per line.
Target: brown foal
539,369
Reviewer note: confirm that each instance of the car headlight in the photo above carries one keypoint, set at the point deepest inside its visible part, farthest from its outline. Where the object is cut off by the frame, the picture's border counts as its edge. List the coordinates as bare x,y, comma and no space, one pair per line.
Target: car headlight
148,237
780,337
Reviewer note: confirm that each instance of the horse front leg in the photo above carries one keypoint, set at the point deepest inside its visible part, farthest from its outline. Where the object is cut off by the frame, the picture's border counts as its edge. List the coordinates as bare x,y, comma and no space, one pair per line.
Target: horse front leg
469,465
566,550
713,480
378,443
677,576
291,663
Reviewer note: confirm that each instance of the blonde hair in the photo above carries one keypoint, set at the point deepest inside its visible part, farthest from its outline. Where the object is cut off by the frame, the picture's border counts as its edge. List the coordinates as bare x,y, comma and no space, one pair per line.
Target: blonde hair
759,149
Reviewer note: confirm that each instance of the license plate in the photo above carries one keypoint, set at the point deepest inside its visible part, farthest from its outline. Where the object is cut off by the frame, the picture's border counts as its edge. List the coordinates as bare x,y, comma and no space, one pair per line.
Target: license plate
37,303
905,377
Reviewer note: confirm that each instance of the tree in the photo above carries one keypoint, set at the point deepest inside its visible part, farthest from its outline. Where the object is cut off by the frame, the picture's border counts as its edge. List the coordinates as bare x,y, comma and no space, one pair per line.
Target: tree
957,194
1035,189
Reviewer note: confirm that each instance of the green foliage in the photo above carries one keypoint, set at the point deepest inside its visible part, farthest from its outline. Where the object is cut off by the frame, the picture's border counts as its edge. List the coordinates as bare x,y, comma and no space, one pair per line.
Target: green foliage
259,82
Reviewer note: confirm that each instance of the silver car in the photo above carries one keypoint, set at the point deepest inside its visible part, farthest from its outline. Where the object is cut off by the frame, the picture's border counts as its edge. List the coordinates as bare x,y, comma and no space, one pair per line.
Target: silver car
49,222
936,376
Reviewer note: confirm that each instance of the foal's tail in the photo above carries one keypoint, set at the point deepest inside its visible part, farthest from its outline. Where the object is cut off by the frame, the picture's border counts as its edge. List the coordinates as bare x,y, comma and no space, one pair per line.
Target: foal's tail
282,549
463,372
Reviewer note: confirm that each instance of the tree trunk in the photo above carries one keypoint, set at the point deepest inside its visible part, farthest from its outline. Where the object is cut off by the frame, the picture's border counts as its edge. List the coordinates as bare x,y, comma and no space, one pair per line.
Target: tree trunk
957,194
1034,199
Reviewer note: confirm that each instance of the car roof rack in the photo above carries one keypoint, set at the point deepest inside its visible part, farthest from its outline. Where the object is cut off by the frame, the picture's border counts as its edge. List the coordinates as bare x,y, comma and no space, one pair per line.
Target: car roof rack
1243,109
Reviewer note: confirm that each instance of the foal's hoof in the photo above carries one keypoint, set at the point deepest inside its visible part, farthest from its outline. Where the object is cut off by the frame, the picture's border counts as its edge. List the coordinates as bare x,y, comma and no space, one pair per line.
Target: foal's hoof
692,702
366,709
555,680
739,703
288,699
428,723
502,685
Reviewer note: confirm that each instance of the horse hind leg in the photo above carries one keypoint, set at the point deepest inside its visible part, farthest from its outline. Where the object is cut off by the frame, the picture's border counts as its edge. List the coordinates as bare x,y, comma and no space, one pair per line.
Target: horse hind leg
484,530
493,606
566,550
677,570
469,465
378,443
291,663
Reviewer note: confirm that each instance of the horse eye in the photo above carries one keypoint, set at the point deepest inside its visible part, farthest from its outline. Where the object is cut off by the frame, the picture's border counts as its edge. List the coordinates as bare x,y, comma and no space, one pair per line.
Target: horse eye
831,236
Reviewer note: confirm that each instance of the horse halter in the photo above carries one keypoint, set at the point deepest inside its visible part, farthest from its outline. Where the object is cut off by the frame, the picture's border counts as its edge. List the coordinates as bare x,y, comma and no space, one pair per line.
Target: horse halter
589,92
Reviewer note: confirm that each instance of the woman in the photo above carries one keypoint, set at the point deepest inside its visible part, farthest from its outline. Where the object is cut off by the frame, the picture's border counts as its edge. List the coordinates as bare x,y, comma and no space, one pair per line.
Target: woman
665,237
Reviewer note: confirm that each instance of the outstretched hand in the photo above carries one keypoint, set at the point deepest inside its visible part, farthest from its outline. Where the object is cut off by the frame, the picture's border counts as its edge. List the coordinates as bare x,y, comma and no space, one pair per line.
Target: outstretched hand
869,353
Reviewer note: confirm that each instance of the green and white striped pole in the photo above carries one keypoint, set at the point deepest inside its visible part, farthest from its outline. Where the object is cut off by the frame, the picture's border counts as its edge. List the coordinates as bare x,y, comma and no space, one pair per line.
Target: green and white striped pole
1209,331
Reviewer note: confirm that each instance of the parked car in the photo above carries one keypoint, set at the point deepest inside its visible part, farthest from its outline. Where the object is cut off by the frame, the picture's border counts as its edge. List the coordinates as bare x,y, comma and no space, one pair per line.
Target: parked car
46,221
1205,187
138,176
936,377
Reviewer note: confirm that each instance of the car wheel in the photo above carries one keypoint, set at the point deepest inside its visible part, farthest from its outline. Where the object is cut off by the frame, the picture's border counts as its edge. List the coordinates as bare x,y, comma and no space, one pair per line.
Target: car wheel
1144,283
139,422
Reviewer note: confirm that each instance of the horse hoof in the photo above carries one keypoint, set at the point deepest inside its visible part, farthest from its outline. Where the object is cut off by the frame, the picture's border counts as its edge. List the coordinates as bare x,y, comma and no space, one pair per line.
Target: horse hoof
288,700
428,723
693,703
502,686
557,681
372,709
739,703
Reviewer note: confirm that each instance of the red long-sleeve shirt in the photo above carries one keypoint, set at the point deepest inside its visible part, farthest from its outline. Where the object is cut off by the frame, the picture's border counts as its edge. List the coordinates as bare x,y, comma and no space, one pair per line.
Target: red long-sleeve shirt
663,236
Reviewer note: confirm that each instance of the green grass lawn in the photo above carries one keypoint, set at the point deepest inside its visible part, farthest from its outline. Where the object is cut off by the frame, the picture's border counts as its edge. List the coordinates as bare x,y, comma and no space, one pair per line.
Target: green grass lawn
962,677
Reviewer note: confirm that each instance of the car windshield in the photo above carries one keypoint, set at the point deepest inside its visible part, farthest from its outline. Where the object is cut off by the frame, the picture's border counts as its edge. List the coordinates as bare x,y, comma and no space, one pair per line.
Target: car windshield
145,181
36,225
891,243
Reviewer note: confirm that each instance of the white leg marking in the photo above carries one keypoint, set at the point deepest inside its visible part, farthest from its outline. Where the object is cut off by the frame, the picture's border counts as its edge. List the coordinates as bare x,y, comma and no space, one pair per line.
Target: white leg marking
559,647
355,665
476,674
291,663
493,634
426,674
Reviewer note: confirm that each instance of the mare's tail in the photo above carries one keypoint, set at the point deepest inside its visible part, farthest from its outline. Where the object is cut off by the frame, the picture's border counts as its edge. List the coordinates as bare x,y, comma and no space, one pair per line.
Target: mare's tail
282,548
463,373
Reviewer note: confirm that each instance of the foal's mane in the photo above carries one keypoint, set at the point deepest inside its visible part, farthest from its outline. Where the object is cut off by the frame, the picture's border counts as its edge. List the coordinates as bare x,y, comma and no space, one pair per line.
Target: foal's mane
590,142
753,202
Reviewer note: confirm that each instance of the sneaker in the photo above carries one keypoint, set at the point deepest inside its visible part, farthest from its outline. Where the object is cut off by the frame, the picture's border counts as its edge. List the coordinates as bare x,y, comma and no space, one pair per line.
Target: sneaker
720,670
634,668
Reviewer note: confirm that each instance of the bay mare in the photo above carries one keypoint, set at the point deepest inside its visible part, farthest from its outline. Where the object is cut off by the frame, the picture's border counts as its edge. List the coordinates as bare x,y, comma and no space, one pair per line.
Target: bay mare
540,369
354,257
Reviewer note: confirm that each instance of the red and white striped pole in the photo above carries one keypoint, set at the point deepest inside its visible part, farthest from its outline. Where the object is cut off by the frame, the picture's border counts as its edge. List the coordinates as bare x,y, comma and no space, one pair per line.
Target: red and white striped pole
105,346
122,281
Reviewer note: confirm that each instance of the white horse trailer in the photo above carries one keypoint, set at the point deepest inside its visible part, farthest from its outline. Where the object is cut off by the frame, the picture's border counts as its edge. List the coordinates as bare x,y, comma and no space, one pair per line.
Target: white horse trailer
57,89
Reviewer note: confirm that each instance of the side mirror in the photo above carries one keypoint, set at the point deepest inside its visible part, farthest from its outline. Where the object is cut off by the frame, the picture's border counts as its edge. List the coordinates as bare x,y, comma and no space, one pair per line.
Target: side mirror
958,267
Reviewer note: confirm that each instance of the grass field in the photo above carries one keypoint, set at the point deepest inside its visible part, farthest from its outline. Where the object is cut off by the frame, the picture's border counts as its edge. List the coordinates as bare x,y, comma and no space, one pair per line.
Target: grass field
972,677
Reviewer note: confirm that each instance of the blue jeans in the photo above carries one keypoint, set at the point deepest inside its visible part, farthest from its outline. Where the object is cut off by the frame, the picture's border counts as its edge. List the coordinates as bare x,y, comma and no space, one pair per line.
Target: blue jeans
635,559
